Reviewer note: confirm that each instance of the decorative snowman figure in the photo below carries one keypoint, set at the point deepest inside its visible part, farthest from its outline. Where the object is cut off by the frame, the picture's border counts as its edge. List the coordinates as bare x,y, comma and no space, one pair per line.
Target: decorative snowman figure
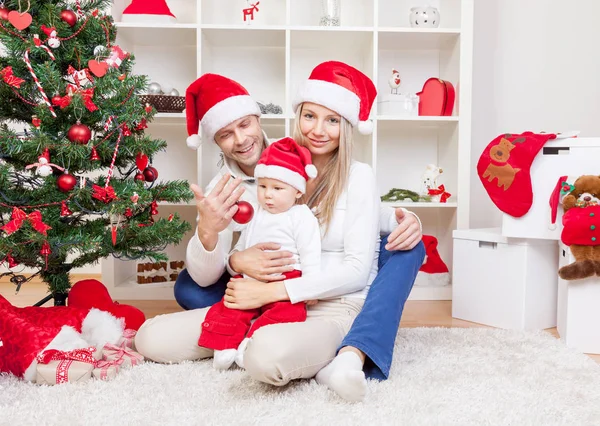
424,17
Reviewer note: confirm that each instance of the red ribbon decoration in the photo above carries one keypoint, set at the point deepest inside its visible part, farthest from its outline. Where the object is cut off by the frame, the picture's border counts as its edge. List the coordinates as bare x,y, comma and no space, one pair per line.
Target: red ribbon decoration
66,358
19,216
10,79
440,191
103,194
86,94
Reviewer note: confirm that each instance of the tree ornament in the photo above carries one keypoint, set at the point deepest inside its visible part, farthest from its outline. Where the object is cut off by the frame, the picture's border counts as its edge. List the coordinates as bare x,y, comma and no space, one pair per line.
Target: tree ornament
139,176
44,166
245,212
148,108
53,40
143,124
154,89
134,198
69,17
36,121
99,50
79,133
122,77
64,210
128,213
66,182
141,161
116,56
150,174
154,208
4,13
56,99
99,69
94,156
11,261
126,131
45,251
19,20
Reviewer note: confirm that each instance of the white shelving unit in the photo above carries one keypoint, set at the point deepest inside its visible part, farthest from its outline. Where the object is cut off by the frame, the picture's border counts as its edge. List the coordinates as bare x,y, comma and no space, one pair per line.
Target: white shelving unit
271,56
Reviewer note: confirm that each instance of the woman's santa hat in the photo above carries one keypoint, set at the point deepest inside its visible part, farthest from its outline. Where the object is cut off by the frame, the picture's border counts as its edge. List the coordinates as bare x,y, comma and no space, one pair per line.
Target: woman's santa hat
342,89
288,162
150,11
213,102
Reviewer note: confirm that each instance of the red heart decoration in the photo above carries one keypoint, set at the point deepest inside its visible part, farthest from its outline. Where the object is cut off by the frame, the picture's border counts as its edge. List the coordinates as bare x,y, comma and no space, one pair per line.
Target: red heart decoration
436,98
19,20
141,161
99,69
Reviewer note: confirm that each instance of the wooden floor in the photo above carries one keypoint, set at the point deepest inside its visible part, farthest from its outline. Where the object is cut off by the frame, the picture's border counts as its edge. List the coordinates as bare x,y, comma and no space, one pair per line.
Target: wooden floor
416,313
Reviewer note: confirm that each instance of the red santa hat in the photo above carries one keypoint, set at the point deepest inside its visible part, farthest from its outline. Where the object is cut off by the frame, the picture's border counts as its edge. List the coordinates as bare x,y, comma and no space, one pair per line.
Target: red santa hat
433,272
213,102
287,162
148,11
342,89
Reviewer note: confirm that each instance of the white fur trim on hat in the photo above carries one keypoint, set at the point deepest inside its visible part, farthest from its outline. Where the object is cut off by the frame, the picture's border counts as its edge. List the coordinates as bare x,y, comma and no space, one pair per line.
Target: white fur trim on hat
424,279
365,127
226,112
67,339
330,95
311,171
281,173
193,141
100,327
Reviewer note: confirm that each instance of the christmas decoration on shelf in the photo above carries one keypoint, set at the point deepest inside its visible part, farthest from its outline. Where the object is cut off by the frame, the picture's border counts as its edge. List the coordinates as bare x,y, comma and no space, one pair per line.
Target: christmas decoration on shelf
394,82
148,11
270,108
424,17
331,13
56,216
403,195
164,98
248,12
430,187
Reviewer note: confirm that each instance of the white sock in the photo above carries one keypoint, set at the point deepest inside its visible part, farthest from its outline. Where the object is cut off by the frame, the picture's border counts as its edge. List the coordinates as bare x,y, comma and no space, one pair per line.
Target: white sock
222,360
239,356
344,375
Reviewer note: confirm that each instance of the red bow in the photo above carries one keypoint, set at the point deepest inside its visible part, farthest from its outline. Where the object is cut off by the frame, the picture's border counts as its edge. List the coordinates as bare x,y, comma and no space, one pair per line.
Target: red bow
440,191
81,355
19,216
10,79
104,194
86,94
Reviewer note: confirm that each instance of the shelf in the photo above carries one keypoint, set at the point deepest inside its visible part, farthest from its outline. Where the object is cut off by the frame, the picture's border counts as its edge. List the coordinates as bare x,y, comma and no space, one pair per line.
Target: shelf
174,35
411,39
168,118
330,29
420,205
318,38
153,26
416,121
236,37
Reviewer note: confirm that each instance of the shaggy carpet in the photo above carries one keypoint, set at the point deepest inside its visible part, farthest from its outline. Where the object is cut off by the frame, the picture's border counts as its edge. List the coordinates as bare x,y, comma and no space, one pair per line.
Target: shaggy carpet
439,376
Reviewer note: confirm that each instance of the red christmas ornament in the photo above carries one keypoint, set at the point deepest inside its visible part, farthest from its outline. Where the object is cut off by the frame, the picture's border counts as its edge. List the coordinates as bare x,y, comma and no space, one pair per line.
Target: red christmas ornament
154,207
11,261
94,156
150,174
4,13
122,77
128,212
126,131
36,121
244,213
140,176
79,133
64,210
141,161
143,124
56,100
66,182
45,251
69,17
148,108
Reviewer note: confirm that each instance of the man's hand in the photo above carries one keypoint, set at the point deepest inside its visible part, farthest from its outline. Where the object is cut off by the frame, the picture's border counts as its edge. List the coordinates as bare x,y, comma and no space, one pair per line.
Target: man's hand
407,234
216,209
259,262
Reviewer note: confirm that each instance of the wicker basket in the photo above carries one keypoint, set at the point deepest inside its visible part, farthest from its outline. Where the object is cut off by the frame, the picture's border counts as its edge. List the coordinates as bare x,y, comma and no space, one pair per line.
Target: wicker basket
164,103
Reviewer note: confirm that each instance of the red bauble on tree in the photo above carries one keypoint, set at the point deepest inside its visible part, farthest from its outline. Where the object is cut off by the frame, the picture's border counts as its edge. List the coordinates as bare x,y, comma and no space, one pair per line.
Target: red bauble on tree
66,182
79,133
140,176
4,13
69,17
245,212
150,174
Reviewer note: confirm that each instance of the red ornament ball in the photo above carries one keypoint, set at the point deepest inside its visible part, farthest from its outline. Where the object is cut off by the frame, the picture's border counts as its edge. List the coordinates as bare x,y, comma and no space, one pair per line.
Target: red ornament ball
66,182
140,176
245,212
4,13
69,17
150,174
79,133
56,99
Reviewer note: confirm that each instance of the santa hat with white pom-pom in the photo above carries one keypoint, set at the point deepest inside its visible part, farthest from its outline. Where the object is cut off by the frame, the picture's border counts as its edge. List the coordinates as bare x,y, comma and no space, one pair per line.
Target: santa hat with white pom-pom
288,162
213,102
343,89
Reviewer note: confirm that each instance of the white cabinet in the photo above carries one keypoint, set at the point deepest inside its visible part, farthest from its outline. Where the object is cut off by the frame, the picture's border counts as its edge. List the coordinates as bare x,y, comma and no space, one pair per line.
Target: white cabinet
273,54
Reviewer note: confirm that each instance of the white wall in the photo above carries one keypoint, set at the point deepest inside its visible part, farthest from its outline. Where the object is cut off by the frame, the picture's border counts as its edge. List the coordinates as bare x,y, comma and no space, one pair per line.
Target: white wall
536,66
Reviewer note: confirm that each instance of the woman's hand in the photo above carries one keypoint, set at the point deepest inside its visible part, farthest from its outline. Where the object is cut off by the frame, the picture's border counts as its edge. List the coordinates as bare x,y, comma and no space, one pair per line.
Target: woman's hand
406,235
247,293
260,261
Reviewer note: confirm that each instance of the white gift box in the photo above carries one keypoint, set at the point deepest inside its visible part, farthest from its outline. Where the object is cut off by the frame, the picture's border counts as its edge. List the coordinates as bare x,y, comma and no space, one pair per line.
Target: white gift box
402,105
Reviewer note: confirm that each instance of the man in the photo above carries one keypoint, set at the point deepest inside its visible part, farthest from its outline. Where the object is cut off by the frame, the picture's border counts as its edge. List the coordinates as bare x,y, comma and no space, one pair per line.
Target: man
230,118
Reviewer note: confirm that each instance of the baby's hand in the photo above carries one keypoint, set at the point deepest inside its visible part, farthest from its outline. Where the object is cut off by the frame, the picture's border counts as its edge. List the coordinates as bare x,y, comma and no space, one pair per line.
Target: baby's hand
311,302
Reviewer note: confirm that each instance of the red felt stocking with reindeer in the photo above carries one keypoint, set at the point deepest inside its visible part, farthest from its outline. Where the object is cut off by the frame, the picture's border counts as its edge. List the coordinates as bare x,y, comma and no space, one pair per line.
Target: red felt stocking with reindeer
504,170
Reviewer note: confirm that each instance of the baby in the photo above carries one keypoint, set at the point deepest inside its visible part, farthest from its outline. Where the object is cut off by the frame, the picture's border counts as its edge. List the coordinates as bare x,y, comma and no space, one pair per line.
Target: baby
281,173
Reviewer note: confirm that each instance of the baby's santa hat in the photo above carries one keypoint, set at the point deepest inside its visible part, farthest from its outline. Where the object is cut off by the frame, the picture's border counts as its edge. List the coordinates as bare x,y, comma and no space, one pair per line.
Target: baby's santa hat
27,332
342,89
287,162
433,272
213,102
153,11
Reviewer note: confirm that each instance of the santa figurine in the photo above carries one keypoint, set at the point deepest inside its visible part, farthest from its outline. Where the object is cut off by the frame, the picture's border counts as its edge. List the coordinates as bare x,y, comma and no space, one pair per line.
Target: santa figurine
53,40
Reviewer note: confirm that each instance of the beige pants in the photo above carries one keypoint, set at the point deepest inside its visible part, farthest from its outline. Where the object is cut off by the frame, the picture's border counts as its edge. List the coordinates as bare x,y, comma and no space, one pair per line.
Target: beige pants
276,354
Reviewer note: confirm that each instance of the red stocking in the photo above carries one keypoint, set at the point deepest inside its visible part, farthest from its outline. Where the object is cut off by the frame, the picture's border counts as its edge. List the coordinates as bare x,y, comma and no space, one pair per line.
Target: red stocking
504,170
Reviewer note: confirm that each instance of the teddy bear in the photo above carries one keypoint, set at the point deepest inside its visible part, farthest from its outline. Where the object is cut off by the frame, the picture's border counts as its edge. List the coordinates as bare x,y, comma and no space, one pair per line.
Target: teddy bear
581,228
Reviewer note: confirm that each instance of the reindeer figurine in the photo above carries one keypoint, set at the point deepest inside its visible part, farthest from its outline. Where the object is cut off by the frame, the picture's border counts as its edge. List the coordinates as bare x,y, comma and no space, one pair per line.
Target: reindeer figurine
249,12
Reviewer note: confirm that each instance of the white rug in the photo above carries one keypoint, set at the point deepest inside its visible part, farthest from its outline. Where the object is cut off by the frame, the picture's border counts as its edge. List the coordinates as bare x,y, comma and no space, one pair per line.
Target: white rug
440,376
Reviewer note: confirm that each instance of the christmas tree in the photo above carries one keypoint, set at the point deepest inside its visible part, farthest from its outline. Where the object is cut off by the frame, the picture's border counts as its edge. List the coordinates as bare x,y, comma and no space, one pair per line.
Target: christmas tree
76,180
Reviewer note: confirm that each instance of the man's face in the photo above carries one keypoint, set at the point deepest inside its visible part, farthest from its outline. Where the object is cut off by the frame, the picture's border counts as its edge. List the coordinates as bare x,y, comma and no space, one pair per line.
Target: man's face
242,141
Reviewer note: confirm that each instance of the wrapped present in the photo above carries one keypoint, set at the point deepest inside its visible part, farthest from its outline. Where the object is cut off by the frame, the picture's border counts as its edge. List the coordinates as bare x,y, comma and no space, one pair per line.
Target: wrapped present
56,367
129,357
128,339
107,369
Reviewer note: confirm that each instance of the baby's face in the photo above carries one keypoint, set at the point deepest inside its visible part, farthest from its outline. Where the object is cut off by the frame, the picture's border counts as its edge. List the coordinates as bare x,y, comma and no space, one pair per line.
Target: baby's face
275,196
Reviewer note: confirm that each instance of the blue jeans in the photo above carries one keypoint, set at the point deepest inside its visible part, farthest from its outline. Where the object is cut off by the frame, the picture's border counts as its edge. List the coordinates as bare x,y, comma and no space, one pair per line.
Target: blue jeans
375,328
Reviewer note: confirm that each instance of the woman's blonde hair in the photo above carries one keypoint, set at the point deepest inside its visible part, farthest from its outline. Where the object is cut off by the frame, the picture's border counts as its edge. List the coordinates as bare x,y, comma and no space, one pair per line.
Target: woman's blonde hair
332,180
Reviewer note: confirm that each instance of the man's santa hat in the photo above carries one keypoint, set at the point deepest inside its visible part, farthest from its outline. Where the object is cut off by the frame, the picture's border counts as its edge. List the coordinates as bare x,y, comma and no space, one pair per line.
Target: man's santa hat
213,102
343,89
27,332
149,11
288,162
433,272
